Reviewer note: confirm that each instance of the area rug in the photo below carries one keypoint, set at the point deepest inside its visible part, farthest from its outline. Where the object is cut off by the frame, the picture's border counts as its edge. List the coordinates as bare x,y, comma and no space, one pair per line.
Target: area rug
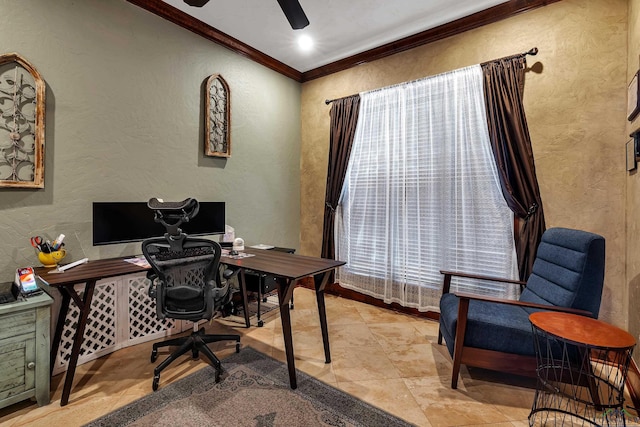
254,391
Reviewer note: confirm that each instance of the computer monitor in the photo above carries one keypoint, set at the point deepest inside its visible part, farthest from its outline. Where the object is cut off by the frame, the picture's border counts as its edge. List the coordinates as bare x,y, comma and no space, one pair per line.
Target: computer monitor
121,222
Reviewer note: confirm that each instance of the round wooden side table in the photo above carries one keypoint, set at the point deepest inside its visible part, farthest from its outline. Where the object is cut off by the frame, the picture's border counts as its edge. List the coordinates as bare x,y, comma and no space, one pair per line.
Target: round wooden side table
582,368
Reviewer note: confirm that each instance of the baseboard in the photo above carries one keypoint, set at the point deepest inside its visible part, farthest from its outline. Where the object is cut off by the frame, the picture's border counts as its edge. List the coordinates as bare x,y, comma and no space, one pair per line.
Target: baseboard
337,290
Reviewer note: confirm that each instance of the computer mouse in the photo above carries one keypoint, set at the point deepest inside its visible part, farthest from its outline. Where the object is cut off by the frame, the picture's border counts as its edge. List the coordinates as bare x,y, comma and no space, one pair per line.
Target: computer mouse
233,252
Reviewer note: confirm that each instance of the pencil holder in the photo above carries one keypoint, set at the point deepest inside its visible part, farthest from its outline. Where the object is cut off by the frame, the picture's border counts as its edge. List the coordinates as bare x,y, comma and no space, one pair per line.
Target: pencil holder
51,259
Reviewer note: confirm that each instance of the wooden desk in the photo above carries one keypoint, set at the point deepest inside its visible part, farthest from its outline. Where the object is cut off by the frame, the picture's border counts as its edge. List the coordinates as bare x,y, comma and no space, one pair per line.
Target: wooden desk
88,274
289,269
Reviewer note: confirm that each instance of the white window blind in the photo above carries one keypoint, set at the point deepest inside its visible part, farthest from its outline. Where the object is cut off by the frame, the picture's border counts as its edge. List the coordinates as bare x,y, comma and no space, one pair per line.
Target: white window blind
422,194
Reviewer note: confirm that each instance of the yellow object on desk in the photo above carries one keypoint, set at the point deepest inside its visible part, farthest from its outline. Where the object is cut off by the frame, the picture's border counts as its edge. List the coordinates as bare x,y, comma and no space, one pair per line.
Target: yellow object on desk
51,259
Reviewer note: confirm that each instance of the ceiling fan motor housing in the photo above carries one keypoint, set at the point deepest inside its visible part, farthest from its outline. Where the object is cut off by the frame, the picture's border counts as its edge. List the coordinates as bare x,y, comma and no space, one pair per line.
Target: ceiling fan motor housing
196,3
291,8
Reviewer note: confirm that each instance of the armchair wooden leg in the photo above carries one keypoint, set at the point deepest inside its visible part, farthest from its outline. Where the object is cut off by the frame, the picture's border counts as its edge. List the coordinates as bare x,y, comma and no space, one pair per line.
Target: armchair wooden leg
445,290
463,310
455,373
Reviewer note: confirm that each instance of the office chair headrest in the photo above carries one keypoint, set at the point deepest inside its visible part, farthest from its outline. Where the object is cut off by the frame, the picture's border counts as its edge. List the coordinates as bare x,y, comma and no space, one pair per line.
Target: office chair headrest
173,214
189,205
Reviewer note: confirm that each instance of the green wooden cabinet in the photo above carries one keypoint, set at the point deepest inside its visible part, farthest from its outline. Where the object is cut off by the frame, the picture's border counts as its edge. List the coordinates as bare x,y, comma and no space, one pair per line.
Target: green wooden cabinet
24,350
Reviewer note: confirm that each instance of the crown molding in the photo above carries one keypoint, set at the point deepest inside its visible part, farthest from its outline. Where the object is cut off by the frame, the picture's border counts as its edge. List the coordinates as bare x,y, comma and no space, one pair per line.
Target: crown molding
190,23
479,19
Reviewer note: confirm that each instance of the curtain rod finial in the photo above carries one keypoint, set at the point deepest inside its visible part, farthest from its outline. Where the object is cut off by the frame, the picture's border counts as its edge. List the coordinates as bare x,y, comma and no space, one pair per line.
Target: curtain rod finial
328,101
533,51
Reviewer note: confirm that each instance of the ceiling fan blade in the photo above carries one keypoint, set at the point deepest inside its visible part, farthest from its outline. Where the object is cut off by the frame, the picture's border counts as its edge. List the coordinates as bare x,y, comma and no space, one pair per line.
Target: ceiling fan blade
294,13
196,3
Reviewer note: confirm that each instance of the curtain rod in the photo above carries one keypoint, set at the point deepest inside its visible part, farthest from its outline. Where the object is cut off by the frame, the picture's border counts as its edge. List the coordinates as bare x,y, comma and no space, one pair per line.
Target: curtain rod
533,51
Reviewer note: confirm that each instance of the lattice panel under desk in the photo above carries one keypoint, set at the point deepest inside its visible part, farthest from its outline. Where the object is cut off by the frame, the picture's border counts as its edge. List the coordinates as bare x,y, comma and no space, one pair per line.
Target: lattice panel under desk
100,331
122,314
143,321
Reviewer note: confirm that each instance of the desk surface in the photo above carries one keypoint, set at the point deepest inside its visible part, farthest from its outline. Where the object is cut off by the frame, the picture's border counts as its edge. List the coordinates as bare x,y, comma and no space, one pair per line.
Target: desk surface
92,270
582,329
290,266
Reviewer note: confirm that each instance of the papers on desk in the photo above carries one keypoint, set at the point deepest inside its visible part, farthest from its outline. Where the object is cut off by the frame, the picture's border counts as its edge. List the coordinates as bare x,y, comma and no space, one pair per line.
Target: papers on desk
140,261
262,246
226,253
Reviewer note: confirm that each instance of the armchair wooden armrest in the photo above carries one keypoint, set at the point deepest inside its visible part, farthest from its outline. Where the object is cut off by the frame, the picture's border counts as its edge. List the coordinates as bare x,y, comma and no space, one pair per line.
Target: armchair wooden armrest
468,297
449,274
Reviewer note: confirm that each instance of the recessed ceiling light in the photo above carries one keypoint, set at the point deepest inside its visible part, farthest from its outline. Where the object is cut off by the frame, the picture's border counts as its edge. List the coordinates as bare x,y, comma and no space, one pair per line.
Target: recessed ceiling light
305,42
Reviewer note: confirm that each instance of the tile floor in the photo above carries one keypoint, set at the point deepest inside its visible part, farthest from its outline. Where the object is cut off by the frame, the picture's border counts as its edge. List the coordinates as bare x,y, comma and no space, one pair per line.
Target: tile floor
388,359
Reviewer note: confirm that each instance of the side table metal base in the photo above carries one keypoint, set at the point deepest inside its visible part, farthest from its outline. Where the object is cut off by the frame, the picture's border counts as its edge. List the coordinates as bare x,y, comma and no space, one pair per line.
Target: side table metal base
578,384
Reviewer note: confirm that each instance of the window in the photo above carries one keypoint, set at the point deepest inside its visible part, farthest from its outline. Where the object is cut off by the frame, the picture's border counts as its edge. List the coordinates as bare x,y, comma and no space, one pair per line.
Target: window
422,194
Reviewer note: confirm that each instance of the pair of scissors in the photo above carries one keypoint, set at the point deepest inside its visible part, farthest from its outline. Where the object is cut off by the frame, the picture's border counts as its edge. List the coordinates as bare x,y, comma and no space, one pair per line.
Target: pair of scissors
37,242
40,244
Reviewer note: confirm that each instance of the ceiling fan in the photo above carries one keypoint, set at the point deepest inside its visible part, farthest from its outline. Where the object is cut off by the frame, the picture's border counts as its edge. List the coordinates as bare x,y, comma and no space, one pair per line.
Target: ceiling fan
291,8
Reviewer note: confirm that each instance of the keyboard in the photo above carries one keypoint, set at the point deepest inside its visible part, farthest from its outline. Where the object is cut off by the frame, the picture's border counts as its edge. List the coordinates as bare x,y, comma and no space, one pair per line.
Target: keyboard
185,253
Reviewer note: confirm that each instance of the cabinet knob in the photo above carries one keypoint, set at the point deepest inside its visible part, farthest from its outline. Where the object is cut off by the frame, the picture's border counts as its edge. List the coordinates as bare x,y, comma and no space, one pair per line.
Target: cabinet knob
31,365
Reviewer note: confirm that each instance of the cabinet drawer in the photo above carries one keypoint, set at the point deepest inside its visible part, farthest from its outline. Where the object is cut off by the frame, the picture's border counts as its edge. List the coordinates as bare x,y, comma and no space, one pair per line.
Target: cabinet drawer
19,323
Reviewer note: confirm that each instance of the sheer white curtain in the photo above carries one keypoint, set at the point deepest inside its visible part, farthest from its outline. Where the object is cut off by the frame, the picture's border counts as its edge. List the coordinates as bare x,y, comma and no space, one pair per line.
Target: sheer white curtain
422,194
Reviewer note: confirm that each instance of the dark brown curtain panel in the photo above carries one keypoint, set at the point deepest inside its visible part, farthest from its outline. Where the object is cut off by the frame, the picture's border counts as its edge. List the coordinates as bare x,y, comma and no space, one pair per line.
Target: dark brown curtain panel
511,144
344,117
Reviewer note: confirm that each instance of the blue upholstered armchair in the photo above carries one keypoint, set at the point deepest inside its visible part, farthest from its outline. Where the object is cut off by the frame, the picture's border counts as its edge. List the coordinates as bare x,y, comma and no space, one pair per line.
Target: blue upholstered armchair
568,275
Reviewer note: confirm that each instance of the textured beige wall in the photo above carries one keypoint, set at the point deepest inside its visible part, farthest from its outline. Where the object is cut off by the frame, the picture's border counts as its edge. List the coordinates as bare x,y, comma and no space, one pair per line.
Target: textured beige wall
633,186
124,123
575,109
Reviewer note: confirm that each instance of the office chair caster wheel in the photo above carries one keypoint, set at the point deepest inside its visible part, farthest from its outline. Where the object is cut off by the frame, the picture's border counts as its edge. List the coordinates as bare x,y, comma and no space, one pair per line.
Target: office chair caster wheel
217,375
156,380
195,354
154,355
260,323
238,347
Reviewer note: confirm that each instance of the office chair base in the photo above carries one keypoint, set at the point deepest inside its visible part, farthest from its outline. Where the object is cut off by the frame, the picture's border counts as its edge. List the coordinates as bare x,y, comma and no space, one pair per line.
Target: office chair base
196,343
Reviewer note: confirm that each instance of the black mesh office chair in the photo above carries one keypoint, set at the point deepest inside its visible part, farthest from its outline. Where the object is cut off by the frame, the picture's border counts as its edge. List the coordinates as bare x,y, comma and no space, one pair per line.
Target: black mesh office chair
186,282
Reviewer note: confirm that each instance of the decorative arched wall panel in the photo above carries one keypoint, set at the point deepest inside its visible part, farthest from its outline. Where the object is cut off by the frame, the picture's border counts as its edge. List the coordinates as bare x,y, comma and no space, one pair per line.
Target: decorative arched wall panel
218,118
22,108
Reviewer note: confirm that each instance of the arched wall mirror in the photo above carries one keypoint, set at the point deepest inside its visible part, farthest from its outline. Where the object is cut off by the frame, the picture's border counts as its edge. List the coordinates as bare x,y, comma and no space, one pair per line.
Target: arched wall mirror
22,107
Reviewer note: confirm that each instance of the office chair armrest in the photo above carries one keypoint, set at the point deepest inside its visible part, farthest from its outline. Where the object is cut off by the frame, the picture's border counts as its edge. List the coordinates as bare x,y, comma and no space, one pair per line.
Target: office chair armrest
448,274
152,276
467,297
228,273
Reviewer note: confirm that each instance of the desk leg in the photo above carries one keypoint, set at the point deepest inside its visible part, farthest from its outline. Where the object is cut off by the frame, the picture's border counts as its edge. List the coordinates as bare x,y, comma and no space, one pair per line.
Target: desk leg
285,291
245,299
323,315
85,308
